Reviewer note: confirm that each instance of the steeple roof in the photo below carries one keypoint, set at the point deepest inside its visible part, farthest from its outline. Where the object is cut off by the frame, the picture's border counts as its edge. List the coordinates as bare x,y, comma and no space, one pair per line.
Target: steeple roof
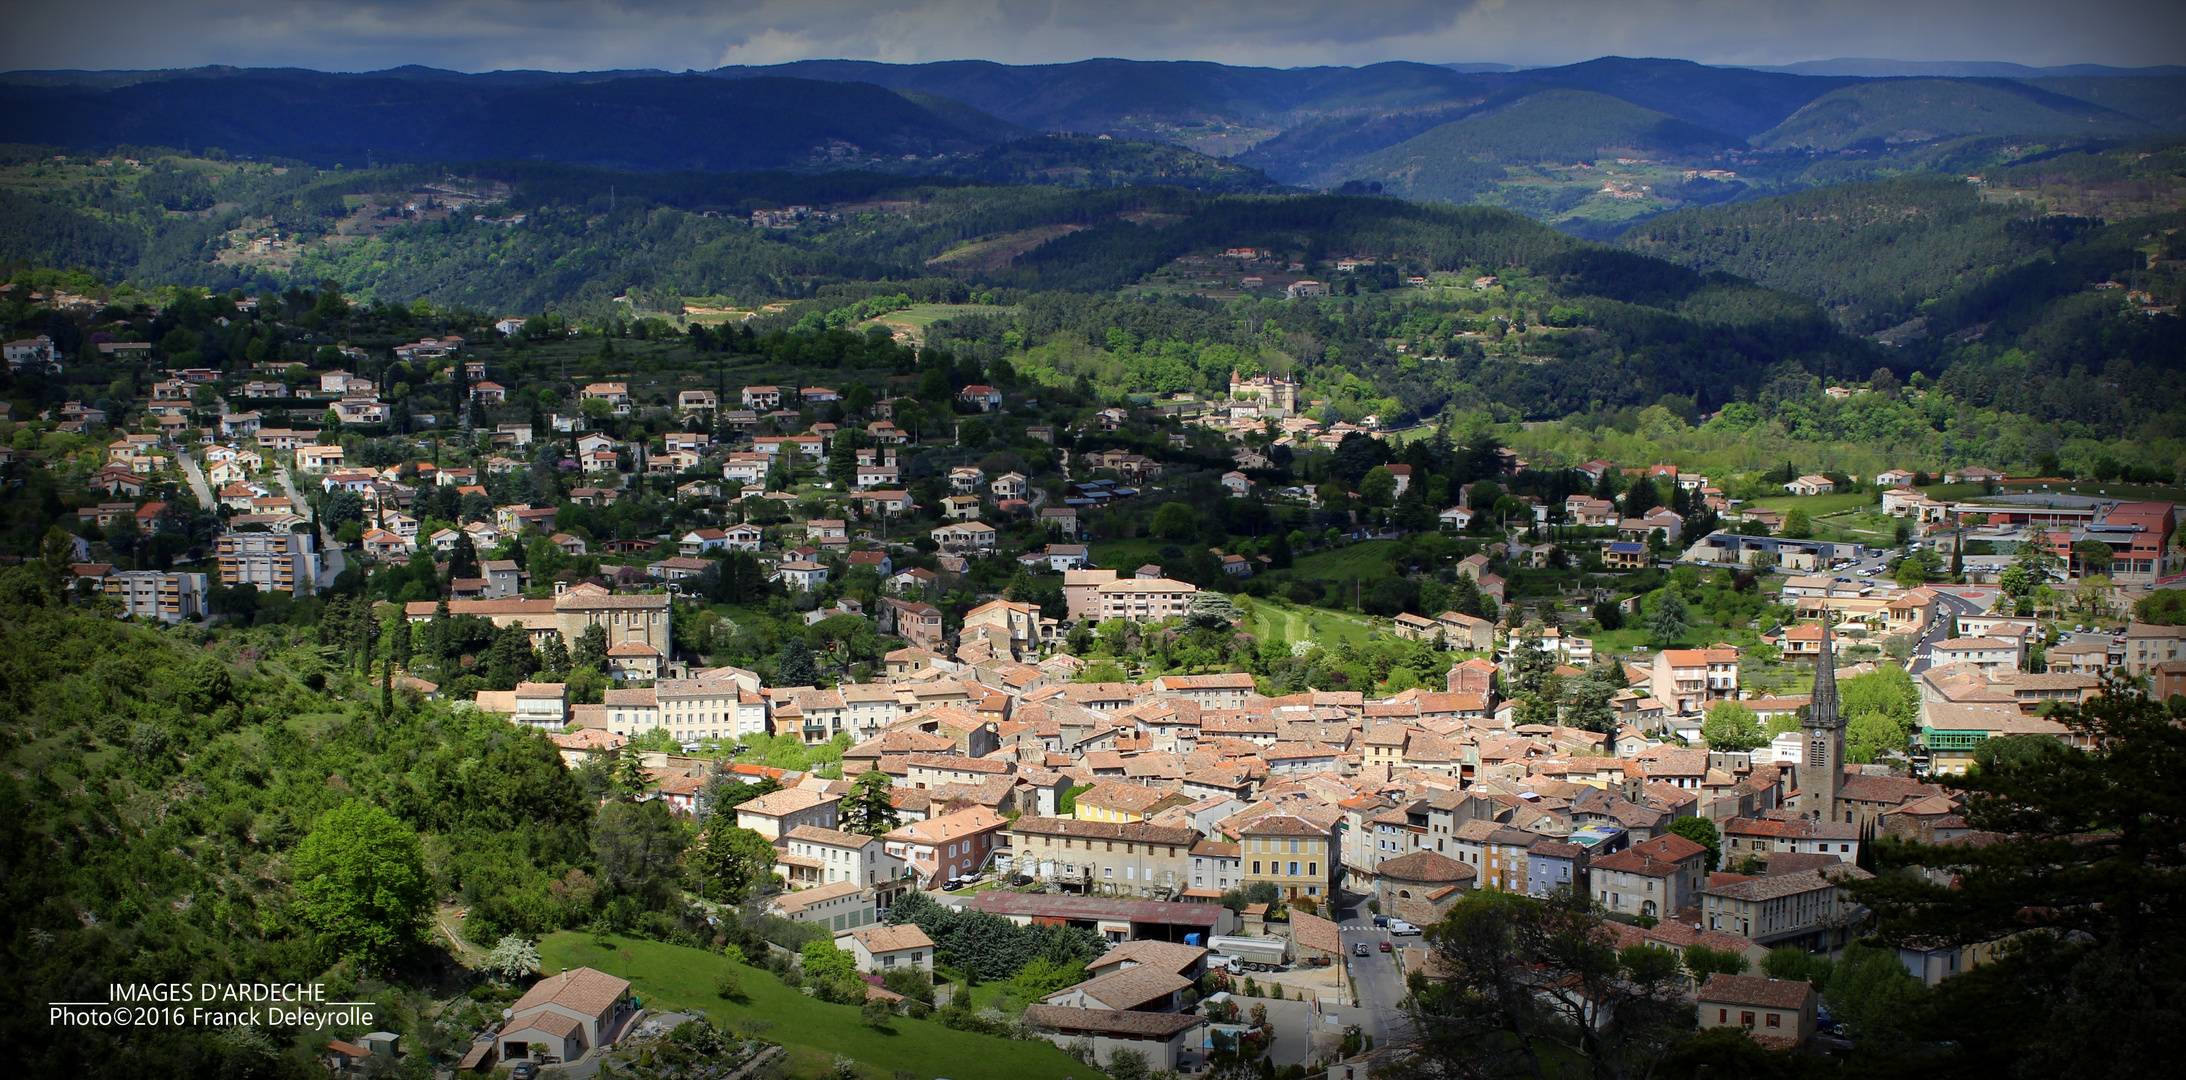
1822,709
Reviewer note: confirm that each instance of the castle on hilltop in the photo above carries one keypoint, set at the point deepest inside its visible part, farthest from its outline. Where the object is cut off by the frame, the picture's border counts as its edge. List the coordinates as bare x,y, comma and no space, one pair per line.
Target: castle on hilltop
1278,395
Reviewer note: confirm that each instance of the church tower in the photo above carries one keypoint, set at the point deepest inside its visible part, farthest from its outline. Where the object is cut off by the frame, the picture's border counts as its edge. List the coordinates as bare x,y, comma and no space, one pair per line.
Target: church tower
1821,768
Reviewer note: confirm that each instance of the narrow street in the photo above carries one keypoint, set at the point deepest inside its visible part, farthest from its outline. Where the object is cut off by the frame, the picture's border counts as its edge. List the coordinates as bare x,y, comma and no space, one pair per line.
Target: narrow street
1951,602
1380,981
331,563
198,486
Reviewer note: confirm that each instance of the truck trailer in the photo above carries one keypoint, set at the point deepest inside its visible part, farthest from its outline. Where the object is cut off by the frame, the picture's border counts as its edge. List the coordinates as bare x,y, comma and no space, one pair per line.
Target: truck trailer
1240,954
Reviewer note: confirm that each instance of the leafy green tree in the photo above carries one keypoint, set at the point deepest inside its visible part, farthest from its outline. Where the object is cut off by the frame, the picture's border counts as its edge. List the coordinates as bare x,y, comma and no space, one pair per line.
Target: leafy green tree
554,655
511,659
1874,997
591,648
361,884
1528,982
1175,521
1668,619
1378,487
1530,663
1797,526
1733,727
876,1012
637,845
1911,573
726,860
1587,703
1702,831
1795,963
824,963
870,807
2078,885
1702,961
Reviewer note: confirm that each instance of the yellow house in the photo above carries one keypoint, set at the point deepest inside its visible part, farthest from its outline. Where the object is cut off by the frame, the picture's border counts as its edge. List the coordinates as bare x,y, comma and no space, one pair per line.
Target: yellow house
1297,855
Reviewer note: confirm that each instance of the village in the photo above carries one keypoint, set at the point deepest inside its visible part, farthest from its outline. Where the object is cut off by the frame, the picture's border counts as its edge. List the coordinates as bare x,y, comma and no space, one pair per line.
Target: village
1712,793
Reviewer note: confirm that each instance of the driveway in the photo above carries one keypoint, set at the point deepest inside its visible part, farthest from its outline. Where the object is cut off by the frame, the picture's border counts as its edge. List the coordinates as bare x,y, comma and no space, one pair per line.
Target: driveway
198,486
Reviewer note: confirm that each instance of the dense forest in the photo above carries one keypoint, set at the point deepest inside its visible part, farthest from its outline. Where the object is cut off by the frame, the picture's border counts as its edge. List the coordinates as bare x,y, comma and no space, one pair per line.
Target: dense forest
258,805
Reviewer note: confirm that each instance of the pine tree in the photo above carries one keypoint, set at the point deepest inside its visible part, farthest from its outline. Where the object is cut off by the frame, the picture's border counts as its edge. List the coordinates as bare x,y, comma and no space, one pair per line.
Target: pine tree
796,666
554,655
591,650
870,807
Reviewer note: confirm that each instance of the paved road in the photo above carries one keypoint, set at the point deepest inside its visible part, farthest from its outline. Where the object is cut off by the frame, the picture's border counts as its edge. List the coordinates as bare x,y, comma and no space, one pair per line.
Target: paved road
1950,603
1381,983
198,486
331,563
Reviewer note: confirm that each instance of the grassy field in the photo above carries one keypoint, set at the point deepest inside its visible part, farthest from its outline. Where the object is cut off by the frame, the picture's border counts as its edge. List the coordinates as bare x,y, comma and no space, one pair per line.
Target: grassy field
1125,556
1815,505
1368,561
1294,624
670,977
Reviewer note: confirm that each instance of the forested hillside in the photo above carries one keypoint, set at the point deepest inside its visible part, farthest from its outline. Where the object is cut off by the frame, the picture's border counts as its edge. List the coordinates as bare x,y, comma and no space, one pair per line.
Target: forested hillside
1922,110
167,802
680,122
1463,158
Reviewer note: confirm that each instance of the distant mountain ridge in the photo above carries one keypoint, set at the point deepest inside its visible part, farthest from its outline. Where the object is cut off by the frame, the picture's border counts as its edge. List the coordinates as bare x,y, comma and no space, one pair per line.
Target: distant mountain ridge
1710,133
1869,68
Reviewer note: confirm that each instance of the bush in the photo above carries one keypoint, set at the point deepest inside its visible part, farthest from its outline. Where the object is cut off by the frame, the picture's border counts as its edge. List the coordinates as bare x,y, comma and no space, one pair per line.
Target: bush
729,984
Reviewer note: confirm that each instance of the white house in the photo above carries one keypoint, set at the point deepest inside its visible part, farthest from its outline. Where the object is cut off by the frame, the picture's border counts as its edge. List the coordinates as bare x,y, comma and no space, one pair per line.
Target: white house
892,948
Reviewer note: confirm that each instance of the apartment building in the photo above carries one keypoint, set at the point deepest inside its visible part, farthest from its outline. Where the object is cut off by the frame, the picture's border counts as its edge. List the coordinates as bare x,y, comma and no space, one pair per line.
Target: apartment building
149,594
273,561
1144,599
1115,858
1687,681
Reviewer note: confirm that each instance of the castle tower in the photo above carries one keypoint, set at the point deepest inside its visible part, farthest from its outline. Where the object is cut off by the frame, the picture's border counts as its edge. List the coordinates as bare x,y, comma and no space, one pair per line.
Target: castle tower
1821,768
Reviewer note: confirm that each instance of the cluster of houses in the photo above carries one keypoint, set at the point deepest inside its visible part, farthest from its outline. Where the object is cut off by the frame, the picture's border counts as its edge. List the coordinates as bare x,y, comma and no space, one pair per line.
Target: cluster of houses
1140,805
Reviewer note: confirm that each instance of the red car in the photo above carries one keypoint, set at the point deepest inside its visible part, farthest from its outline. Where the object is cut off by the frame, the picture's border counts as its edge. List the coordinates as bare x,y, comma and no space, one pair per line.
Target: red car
1385,946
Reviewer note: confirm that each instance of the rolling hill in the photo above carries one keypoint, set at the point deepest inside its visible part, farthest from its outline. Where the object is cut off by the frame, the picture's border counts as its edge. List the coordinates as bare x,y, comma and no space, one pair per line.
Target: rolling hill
663,122
1464,157
1898,111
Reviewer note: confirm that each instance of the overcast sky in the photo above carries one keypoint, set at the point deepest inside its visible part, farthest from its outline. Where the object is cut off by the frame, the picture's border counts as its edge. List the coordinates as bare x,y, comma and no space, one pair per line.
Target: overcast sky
482,35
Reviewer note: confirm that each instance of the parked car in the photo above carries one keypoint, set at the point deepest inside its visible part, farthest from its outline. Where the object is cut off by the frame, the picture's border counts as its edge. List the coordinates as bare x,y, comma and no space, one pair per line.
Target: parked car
1400,927
1385,946
1381,920
524,1070
1359,949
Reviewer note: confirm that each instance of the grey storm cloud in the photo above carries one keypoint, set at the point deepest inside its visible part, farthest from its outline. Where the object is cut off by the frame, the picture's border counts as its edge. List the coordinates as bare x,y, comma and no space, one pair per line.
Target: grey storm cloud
477,35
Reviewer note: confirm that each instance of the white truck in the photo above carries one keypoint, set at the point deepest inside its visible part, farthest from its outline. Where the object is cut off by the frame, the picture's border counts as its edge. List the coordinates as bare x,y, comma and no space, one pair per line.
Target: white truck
1237,955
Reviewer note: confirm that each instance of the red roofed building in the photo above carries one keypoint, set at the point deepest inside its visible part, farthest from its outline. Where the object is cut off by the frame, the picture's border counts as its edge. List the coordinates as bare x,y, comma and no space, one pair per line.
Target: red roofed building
570,1013
1656,878
1778,1013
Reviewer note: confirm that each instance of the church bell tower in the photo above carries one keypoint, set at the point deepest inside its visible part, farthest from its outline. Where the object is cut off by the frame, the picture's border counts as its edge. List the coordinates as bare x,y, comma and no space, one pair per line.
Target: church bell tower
1821,766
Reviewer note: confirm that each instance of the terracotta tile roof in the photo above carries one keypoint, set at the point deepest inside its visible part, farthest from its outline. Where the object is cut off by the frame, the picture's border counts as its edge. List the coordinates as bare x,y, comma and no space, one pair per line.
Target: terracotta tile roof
1426,867
1756,990
1071,1021
1129,987
1162,955
885,939
583,990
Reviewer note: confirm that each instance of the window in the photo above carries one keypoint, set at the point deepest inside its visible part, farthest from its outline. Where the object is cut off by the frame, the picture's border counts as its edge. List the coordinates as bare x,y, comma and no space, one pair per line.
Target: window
1722,1016
1775,1020
1746,1018
1256,866
1294,868
1313,869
